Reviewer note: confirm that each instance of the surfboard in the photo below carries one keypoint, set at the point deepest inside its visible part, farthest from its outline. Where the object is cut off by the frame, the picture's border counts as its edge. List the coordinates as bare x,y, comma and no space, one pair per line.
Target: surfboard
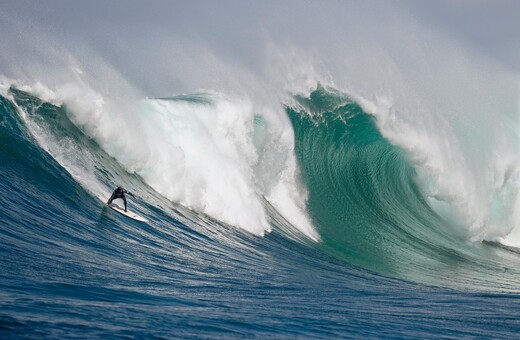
128,213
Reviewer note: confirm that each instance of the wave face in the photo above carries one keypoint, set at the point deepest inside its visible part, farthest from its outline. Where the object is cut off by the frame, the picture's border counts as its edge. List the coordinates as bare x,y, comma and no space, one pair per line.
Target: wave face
366,199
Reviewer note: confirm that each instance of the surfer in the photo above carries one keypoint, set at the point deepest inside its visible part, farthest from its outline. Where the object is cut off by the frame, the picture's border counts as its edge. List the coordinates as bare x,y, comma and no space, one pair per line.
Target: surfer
120,193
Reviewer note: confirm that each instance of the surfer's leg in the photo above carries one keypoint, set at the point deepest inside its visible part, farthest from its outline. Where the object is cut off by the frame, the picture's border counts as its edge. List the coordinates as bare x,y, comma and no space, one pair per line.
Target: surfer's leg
111,199
124,200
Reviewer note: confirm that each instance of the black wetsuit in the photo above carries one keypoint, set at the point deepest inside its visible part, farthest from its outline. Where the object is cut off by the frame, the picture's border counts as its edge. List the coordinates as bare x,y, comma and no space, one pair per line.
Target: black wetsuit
119,193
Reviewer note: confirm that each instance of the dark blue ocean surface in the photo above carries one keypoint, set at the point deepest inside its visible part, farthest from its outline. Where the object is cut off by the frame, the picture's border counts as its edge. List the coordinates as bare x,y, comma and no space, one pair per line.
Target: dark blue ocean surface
72,268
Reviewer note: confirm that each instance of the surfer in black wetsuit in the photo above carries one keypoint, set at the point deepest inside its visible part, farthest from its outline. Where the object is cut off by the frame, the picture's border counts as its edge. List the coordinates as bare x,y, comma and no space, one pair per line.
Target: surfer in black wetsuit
120,193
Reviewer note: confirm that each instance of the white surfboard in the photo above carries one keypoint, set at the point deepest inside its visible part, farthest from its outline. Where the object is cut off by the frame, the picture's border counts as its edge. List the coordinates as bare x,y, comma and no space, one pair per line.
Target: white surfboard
128,213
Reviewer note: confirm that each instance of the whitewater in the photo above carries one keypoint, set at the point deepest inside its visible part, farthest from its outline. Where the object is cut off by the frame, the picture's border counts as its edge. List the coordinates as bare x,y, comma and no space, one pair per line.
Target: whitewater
310,170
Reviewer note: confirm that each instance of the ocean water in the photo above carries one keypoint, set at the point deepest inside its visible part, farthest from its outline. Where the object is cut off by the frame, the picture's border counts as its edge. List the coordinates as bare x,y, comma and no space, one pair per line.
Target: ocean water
348,203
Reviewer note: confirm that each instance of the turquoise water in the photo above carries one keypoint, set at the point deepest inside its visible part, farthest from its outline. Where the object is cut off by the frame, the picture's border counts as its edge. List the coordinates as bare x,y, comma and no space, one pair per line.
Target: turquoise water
386,264
369,207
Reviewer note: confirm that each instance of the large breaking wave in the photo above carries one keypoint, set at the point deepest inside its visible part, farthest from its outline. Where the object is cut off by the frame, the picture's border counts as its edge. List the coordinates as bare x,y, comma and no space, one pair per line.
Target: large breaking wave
333,178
